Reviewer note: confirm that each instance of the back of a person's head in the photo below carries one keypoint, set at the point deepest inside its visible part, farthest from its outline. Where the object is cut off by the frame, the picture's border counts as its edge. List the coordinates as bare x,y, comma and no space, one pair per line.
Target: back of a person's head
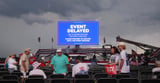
116,50
78,58
94,56
157,63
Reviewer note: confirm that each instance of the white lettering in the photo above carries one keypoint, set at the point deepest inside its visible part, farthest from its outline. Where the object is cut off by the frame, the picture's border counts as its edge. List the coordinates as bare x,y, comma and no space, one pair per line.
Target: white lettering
78,30
78,26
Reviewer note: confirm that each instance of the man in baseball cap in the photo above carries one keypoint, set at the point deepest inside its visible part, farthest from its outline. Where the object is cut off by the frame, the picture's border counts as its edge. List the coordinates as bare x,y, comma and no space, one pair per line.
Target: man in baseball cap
122,44
24,62
59,50
28,49
60,62
124,65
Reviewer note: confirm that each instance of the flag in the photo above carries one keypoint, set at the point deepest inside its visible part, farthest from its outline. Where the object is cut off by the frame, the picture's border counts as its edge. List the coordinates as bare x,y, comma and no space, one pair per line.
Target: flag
39,39
104,40
52,40
118,38
134,53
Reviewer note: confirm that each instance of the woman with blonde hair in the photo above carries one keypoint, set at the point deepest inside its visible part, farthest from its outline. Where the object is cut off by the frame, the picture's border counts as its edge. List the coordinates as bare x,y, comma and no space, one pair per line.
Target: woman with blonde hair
124,65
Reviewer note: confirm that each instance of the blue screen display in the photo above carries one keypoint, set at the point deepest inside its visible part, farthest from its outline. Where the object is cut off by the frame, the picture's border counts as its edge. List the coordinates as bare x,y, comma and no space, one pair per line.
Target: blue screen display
78,33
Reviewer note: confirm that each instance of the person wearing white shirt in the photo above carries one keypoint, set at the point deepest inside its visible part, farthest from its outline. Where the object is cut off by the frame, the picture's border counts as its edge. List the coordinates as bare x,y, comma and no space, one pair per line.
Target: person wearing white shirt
37,71
124,65
12,63
115,57
79,68
156,69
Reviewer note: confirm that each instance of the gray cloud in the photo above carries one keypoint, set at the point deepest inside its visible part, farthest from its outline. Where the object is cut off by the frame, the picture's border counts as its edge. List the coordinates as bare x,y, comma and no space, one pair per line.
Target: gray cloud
64,8
133,17
16,8
141,12
22,21
31,18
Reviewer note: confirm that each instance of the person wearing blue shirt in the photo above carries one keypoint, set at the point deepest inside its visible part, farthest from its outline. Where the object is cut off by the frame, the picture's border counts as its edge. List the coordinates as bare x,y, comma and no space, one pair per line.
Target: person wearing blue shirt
60,63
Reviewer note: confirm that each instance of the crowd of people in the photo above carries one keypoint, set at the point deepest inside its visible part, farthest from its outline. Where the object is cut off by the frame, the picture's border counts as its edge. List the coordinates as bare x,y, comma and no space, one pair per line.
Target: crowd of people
60,63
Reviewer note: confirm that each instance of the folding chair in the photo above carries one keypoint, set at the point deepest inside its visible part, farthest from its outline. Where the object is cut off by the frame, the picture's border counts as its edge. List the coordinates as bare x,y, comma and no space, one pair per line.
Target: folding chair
32,80
84,81
36,76
128,80
100,75
81,76
19,74
59,81
4,73
146,74
107,80
9,81
119,76
53,76
150,81
10,77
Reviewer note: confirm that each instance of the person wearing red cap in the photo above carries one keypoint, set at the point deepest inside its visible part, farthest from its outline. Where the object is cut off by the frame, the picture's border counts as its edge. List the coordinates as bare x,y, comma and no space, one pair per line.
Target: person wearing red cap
36,70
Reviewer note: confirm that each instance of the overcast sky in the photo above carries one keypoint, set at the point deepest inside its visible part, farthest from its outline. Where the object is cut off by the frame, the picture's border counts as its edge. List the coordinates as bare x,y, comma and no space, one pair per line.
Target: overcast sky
23,21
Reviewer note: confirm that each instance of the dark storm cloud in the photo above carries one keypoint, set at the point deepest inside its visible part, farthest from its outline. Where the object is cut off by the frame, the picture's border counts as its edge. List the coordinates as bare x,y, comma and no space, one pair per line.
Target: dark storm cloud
16,8
63,8
143,13
147,19
30,19
134,17
22,21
